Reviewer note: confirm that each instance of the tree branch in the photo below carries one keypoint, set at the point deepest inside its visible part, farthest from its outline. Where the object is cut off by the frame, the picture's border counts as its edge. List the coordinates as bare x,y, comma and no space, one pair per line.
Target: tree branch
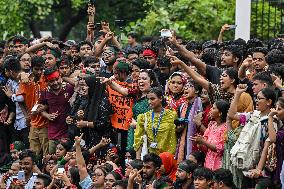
72,22
34,28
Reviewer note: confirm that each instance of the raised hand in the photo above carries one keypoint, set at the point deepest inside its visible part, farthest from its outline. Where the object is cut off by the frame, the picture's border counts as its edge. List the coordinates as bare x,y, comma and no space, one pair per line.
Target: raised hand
241,88
78,139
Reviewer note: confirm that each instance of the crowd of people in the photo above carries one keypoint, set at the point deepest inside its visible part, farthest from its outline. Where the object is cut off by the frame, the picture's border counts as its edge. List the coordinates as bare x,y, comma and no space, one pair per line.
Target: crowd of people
160,112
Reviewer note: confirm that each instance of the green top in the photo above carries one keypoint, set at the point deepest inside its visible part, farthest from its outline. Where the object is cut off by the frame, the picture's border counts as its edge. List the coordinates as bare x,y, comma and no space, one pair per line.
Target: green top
141,106
166,137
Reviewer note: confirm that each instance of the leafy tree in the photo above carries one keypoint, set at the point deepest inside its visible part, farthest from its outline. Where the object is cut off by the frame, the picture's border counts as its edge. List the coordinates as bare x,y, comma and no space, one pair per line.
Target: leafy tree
198,20
62,17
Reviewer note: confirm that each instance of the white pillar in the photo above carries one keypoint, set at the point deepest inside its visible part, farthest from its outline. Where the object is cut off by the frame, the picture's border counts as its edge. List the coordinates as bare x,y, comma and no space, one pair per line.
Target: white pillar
243,14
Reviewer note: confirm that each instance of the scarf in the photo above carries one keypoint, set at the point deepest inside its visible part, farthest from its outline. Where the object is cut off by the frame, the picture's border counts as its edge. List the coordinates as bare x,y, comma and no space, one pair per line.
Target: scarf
185,145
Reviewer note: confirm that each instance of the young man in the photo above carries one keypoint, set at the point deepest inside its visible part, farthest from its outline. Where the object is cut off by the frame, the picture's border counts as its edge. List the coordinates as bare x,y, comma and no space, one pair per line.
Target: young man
20,44
257,63
20,131
42,181
109,57
52,55
231,57
64,66
27,164
202,178
151,166
132,42
85,49
223,179
56,98
184,175
30,90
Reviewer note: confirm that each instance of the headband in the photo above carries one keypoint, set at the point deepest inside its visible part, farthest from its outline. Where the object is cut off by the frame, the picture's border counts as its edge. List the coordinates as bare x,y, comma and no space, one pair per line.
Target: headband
149,52
184,167
52,75
56,53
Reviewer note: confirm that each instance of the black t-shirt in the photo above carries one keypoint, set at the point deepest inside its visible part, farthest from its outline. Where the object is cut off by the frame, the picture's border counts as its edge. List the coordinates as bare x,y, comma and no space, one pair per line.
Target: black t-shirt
213,74
105,73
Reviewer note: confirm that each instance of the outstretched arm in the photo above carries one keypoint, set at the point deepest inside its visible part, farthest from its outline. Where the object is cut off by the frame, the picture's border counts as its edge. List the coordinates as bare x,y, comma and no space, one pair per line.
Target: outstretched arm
233,111
199,64
193,74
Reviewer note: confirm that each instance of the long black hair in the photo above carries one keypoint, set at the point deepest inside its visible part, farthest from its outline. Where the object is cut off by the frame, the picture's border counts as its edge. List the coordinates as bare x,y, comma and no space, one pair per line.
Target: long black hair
223,106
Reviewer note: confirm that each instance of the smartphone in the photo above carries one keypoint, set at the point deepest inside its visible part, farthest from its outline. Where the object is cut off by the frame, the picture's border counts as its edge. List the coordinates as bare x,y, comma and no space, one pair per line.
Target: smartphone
232,27
21,175
60,170
166,33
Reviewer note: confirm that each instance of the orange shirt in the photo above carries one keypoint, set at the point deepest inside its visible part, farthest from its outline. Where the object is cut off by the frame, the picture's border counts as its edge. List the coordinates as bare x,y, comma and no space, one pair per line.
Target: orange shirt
31,93
122,106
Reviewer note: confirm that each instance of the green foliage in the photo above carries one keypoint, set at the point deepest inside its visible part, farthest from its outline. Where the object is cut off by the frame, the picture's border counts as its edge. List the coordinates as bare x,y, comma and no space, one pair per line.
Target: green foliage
271,17
191,19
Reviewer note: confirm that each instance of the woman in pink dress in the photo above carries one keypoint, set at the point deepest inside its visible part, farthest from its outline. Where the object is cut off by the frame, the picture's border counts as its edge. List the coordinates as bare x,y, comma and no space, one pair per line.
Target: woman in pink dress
213,139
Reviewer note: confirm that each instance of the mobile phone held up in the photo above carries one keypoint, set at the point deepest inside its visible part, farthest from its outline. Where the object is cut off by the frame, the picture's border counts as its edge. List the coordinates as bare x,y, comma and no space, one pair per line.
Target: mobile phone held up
21,175
60,170
232,27
166,33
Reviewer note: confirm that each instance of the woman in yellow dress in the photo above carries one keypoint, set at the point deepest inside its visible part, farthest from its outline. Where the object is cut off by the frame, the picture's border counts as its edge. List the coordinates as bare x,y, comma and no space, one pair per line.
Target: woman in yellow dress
155,131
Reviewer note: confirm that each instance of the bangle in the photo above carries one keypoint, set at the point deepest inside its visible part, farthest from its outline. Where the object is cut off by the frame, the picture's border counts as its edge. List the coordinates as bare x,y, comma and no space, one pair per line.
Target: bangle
87,124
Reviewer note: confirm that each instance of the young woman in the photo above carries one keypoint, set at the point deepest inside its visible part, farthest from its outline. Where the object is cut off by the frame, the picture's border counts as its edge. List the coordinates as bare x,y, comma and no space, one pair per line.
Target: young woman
174,90
169,166
278,138
157,126
265,101
185,126
214,135
93,112
146,80
226,89
111,178
64,146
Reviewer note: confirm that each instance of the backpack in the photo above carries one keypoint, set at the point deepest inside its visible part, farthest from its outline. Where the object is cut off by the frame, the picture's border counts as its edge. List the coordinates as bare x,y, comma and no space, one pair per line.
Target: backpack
245,154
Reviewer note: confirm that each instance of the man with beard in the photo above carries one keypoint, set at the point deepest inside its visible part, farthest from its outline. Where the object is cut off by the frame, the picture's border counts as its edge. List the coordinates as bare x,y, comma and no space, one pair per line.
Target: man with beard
184,175
109,58
56,98
30,91
151,166
256,63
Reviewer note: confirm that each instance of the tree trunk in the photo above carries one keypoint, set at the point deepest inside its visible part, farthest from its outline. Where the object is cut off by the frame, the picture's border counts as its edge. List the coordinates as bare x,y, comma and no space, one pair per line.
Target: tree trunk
34,28
66,28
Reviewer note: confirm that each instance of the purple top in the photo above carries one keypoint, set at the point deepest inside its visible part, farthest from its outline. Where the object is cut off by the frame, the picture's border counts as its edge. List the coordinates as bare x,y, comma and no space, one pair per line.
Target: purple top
279,151
57,129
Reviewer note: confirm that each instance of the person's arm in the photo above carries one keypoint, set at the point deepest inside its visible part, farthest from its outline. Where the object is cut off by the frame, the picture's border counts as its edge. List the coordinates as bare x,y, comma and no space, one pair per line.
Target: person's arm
193,74
115,42
199,64
271,129
102,143
80,159
100,47
278,84
138,135
243,68
90,27
255,173
113,85
221,34
233,110
35,47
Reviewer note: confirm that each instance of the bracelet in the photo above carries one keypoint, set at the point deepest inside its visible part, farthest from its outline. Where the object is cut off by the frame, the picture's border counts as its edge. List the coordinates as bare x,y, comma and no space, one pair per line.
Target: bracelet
87,124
